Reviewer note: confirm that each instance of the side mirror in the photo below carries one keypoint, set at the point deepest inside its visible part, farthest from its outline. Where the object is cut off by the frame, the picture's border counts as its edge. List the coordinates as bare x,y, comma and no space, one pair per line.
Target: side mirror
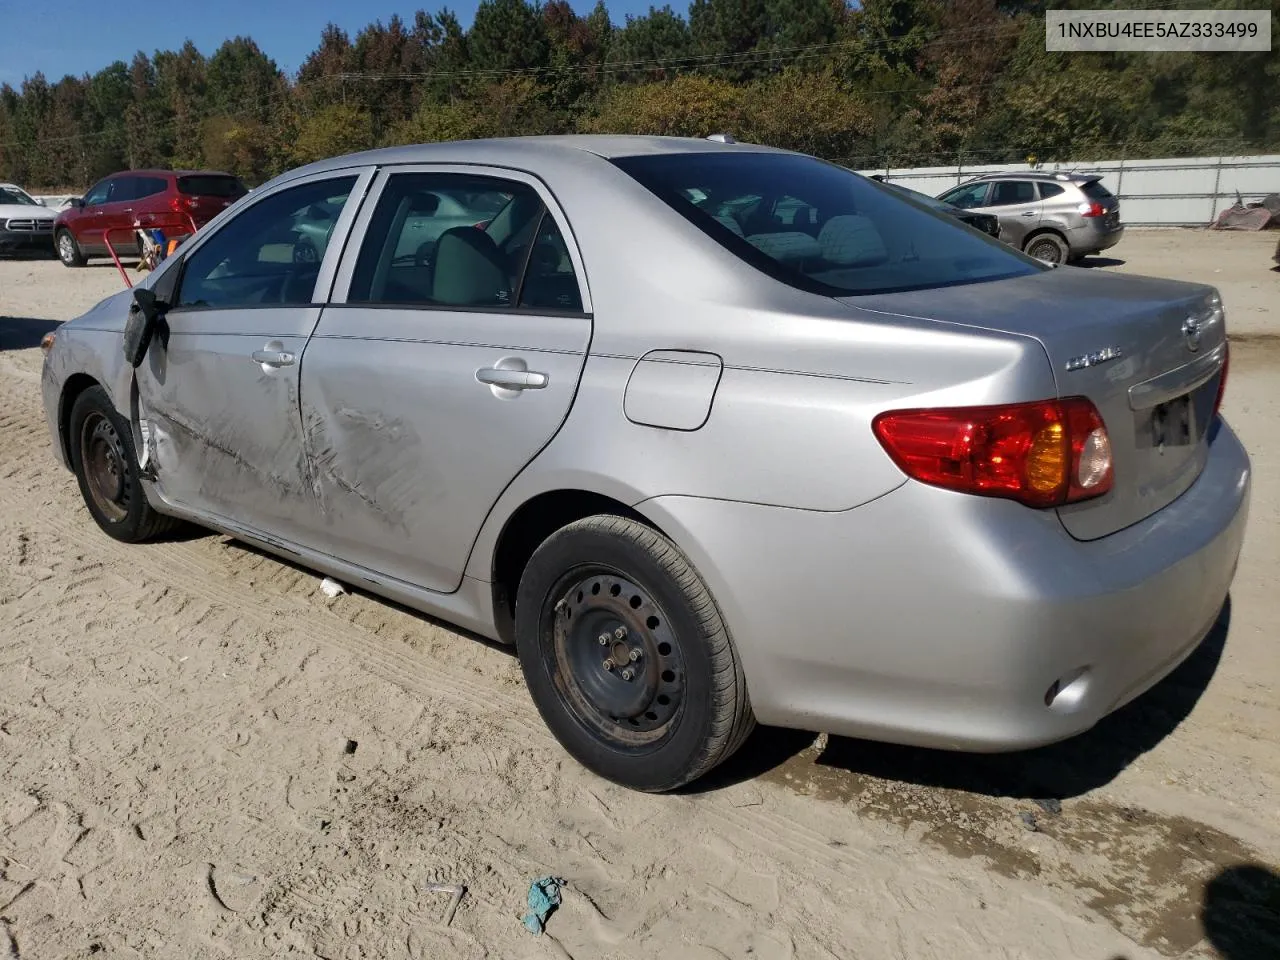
146,314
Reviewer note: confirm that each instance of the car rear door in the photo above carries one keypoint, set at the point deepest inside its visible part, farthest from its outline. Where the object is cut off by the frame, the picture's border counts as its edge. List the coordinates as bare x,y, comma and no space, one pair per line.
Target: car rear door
1018,206
218,390
440,369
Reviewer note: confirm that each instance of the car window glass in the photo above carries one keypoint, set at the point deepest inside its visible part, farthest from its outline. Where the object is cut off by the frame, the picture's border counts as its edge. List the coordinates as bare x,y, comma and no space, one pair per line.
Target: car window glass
122,189
549,281
97,194
8,195
1048,190
148,187
863,238
448,240
966,198
1008,192
270,253
1094,190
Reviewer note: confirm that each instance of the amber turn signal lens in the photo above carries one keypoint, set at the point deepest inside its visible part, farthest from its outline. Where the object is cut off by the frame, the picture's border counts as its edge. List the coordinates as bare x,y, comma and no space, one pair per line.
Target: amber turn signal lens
46,342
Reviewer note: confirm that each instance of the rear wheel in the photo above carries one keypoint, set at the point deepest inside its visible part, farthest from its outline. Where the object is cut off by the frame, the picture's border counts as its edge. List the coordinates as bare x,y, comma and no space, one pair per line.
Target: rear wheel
1048,247
107,470
68,250
626,655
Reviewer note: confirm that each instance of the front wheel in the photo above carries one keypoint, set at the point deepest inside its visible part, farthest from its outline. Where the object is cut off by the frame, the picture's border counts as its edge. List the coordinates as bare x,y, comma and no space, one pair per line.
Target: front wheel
1048,247
626,655
104,463
68,250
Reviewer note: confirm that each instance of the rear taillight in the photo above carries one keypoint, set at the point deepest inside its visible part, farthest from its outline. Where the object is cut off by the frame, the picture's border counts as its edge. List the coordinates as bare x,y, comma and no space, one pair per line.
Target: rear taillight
1222,377
1042,454
1092,210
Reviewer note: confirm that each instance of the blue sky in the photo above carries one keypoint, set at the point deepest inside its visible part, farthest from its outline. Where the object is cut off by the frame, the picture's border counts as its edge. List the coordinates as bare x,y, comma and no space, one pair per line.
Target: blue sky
83,36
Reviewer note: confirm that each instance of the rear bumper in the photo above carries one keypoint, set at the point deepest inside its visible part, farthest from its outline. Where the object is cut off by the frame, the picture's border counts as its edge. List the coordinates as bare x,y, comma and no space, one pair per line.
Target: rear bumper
1093,237
932,618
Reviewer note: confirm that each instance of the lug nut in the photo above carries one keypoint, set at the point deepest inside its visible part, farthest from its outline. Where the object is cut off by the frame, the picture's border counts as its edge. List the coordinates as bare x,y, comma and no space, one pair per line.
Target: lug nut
620,632
634,655
609,664
604,639
627,674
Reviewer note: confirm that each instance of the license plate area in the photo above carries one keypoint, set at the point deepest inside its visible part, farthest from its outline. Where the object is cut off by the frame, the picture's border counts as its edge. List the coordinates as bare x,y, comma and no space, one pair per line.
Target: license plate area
1172,424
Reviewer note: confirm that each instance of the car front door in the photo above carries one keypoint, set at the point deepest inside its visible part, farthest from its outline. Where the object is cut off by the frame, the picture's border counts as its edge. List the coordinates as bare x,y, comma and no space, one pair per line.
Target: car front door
90,218
440,369
1018,206
115,217
218,390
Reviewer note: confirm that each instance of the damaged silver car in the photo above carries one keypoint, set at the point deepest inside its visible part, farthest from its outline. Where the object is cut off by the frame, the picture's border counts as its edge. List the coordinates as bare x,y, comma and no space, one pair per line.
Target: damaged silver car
710,432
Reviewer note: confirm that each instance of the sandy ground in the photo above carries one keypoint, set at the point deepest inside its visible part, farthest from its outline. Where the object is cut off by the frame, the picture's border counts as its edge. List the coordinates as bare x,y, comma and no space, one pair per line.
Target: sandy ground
200,756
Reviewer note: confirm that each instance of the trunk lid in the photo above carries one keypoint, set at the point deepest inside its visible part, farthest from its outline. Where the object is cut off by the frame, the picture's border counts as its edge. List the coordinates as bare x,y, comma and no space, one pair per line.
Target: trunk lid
1147,352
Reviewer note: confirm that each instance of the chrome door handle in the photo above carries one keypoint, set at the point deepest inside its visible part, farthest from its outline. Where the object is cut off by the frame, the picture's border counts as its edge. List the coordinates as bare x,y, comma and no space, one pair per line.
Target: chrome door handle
273,358
512,379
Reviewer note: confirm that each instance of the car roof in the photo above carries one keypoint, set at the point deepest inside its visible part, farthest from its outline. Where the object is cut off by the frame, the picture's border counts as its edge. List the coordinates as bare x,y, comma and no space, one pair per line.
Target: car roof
1059,176
158,172
515,151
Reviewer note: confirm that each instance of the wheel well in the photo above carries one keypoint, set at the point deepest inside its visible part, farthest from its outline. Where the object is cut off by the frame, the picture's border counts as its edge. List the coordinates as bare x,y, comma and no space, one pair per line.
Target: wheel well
76,384
525,531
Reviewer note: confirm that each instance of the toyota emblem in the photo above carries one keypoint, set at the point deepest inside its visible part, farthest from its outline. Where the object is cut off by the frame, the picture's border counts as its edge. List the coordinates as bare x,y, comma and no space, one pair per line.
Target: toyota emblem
1191,330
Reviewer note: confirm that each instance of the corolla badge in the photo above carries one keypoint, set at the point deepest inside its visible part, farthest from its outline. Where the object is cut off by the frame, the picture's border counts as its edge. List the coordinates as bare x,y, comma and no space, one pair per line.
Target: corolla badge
1105,355
1191,330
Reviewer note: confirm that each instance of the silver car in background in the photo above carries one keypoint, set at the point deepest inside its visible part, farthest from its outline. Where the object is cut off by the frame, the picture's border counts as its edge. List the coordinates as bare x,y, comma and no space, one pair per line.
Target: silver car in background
1054,217
713,433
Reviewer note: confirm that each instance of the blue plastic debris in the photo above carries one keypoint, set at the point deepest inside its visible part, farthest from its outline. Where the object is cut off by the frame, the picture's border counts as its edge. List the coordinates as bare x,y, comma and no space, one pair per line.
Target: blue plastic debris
544,897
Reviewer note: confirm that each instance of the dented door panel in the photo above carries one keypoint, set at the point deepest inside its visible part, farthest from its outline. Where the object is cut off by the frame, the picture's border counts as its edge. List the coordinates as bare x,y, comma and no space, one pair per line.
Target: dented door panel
416,420
224,427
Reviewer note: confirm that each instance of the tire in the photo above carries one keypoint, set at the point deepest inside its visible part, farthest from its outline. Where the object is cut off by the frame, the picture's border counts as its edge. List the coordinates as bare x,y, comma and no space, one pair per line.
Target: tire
68,250
103,459
683,709
1048,247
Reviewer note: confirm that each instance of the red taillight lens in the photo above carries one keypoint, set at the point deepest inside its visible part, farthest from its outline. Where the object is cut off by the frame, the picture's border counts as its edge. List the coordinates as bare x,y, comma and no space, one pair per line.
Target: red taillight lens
1222,377
1092,210
1043,454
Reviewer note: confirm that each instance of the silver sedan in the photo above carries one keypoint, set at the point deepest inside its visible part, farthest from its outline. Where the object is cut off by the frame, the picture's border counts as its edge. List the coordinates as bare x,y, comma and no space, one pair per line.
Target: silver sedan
710,432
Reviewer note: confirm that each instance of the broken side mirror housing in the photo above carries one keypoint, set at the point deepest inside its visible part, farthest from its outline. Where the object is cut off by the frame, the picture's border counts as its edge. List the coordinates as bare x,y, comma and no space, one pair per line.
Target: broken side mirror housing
146,313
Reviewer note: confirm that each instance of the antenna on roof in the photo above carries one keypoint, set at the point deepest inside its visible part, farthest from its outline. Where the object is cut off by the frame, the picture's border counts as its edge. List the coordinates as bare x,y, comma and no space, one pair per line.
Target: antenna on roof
722,138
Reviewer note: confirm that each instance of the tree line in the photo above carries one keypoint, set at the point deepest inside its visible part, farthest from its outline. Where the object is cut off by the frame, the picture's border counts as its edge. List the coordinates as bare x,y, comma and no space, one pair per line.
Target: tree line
881,82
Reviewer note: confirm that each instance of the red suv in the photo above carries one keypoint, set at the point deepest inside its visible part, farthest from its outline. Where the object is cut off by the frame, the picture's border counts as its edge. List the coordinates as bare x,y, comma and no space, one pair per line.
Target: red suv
140,199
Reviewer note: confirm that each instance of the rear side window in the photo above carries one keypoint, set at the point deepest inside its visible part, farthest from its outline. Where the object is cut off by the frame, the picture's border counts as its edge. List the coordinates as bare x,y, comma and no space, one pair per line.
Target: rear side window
1048,190
1094,190
452,240
204,185
148,186
861,238
1009,192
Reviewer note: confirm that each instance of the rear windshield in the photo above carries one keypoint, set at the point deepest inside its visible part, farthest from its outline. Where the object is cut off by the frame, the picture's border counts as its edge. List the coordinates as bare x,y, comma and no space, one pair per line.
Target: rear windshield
1094,190
821,227
204,185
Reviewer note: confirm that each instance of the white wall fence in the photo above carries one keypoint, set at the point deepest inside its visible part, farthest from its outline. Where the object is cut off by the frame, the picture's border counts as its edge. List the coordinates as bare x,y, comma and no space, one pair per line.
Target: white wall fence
1156,193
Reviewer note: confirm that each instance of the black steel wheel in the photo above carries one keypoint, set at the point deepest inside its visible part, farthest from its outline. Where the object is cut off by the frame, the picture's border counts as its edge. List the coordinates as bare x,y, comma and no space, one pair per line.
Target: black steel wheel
105,466
626,655
1048,247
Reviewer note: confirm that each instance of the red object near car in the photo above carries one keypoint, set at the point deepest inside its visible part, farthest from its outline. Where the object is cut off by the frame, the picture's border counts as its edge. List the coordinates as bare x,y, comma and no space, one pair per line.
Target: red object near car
168,200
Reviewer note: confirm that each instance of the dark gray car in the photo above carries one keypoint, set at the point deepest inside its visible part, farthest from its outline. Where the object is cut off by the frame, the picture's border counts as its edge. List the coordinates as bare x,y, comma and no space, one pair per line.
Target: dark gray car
1054,217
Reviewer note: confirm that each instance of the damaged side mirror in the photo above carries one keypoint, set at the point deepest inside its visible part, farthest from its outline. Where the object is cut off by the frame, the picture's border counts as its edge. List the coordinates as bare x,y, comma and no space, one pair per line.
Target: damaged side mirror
146,313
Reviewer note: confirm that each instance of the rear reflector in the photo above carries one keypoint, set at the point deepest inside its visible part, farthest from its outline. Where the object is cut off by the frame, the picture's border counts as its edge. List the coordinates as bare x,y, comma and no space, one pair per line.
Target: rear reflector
1042,454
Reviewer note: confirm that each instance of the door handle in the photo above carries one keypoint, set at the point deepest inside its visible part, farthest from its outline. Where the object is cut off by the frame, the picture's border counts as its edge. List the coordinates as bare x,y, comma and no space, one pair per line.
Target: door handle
273,358
1029,213
510,379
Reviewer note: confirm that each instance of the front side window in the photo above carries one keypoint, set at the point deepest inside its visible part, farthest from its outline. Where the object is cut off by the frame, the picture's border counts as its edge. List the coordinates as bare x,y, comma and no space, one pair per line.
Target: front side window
97,193
1007,193
967,198
122,189
269,254
862,237
455,240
